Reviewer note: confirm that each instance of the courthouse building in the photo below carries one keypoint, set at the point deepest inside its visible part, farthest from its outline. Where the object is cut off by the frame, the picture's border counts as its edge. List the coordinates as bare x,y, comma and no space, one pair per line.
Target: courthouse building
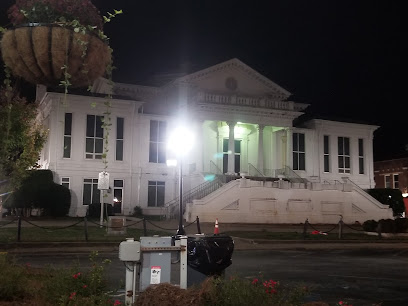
248,162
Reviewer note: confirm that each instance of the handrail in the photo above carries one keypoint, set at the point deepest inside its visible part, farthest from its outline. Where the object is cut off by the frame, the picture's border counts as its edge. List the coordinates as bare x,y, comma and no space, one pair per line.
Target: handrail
376,202
257,172
196,193
215,169
290,175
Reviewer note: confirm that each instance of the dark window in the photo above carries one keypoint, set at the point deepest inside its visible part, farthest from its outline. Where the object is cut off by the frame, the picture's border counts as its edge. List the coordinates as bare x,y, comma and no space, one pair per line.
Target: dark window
157,146
361,156
237,155
396,181
299,155
67,135
65,182
119,138
387,181
94,137
91,193
117,196
326,153
344,154
155,194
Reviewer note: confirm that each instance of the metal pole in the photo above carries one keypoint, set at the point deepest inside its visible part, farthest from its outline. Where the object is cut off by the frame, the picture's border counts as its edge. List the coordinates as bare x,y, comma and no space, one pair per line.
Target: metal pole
181,231
305,229
19,228
340,229
86,228
198,225
101,218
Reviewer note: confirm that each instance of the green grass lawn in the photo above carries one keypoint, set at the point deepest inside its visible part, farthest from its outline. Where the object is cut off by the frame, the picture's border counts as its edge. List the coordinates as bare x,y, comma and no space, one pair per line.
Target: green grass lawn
72,234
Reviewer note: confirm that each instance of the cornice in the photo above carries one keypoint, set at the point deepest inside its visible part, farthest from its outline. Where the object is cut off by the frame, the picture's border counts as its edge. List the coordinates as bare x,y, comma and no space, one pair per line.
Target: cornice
236,63
233,109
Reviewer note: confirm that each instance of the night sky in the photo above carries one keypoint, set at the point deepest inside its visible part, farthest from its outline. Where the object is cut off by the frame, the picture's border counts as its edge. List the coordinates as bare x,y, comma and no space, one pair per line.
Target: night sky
348,59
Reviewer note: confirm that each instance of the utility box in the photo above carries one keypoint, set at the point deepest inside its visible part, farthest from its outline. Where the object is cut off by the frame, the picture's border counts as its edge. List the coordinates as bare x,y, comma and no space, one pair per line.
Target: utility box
156,263
129,250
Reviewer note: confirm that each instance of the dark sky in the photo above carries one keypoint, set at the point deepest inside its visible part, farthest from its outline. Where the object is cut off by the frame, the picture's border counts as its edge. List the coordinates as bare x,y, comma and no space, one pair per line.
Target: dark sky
348,59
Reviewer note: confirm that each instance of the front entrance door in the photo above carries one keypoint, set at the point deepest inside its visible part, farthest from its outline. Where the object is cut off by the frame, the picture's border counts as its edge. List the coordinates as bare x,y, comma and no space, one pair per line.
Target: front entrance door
237,158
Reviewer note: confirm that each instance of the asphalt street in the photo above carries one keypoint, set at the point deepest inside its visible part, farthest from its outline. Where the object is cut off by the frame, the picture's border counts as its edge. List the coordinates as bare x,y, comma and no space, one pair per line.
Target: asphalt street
359,276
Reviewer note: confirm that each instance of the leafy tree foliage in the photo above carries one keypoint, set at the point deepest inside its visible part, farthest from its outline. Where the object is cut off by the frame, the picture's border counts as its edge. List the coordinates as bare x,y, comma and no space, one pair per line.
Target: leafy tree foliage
21,138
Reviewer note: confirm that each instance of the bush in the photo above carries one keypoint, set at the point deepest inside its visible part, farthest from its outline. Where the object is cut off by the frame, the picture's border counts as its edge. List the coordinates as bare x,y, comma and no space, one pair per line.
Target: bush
388,226
13,280
38,190
94,210
391,197
370,226
137,212
401,225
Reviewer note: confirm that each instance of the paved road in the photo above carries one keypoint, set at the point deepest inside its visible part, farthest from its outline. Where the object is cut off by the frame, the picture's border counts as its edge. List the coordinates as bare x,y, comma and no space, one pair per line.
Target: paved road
362,277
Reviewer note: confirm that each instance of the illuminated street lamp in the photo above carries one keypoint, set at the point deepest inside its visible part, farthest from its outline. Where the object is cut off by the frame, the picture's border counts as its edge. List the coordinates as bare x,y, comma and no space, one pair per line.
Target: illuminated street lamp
180,142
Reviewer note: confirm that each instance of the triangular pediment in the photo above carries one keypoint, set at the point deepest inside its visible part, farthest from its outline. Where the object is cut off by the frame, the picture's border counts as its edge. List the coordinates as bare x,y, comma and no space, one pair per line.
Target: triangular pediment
233,77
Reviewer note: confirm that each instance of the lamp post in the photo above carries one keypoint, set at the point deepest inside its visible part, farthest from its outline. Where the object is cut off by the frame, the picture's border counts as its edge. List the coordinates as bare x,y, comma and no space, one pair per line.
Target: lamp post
180,142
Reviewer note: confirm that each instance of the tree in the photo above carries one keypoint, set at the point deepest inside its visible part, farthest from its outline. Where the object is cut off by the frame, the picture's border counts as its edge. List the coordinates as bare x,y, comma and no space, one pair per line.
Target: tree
21,138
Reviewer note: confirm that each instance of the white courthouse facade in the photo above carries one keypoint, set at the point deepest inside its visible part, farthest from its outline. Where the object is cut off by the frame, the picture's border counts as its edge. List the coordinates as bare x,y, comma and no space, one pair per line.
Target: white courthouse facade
249,162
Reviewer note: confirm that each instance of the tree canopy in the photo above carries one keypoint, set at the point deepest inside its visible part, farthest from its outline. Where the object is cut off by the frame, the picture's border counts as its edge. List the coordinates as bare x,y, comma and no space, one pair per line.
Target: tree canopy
21,138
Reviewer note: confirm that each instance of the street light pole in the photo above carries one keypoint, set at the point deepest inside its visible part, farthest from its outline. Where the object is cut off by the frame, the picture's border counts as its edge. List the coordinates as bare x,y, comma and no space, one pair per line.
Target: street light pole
180,230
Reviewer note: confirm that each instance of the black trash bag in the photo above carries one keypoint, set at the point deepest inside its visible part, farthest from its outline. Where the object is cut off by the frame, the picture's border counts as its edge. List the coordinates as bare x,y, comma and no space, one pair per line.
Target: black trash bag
210,255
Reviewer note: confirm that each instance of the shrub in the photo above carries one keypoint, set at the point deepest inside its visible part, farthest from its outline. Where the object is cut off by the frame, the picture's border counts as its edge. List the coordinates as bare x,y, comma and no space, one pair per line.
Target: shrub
137,212
88,287
94,210
401,225
391,197
13,280
38,190
370,226
388,226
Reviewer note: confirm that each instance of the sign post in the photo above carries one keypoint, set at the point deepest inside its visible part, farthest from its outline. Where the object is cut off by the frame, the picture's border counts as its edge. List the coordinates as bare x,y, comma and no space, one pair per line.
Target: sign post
103,184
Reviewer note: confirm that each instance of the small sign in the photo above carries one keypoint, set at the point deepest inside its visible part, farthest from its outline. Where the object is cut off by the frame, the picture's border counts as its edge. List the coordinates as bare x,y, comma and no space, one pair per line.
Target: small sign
155,275
103,181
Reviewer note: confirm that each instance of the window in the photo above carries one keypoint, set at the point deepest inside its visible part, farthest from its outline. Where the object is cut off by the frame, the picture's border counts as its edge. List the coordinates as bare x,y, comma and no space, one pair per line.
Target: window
117,196
361,156
155,194
94,137
237,155
119,138
65,182
299,162
67,135
344,154
157,147
387,180
91,194
326,153
396,181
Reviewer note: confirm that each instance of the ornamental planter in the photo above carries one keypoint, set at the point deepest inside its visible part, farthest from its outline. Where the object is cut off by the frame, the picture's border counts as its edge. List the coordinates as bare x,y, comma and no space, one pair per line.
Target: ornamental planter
38,53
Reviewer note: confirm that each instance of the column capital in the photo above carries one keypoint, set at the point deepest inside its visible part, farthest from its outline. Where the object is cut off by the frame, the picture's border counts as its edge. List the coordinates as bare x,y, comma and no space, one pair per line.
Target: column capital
260,127
231,123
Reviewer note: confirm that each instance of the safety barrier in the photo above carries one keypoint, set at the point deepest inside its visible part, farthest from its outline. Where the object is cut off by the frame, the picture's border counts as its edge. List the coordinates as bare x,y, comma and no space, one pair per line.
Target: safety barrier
85,227
145,225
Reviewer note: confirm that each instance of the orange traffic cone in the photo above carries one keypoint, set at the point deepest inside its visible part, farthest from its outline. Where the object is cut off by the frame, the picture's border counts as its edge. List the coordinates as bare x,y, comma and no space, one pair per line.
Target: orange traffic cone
216,230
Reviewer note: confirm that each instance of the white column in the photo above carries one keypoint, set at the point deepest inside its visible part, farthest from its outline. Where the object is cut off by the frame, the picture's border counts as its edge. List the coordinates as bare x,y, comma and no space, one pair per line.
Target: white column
284,149
260,148
289,150
231,148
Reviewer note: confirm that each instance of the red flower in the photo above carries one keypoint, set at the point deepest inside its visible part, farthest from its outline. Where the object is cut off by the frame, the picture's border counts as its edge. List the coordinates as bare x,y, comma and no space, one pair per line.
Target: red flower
117,303
255,281
84,286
